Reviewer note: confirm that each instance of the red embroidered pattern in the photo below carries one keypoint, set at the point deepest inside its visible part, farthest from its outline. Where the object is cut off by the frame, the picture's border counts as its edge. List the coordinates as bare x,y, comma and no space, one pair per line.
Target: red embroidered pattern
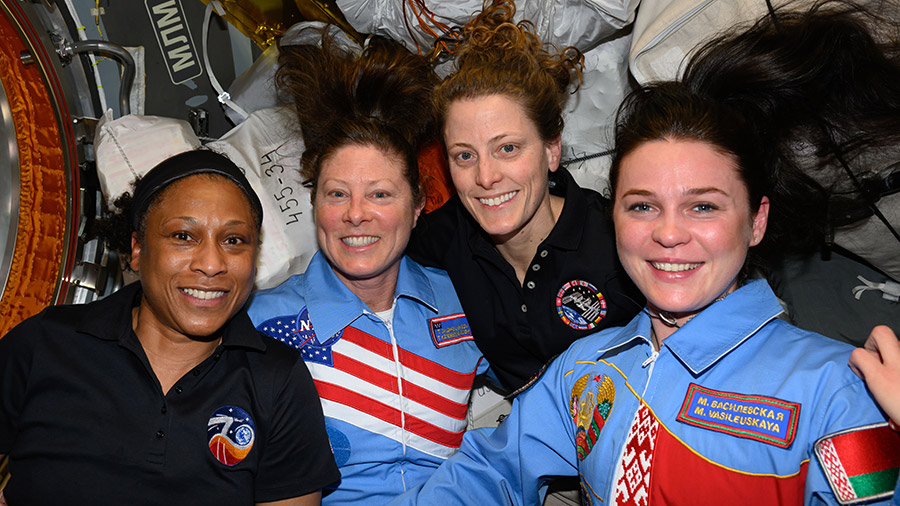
633,471
834,470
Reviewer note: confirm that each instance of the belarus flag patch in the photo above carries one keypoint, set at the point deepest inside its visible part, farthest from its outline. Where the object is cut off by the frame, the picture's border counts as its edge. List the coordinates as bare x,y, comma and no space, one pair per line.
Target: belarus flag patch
862,463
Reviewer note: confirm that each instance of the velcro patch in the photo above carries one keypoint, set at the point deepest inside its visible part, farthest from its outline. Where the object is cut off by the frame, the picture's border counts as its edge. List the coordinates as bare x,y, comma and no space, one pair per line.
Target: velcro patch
450,329
861,464
765,419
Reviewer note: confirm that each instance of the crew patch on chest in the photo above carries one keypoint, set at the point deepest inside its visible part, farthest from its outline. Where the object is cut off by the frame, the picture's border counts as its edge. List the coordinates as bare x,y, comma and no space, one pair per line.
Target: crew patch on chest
580,305
765,419
230,433
450,329
298,332
589,405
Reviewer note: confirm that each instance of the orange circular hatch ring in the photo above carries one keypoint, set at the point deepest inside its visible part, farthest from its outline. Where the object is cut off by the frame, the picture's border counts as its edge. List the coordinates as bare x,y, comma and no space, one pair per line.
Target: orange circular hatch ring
37,265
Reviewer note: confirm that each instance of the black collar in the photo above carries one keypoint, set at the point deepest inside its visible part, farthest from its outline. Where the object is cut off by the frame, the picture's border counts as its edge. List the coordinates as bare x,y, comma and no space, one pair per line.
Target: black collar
567,231
566,234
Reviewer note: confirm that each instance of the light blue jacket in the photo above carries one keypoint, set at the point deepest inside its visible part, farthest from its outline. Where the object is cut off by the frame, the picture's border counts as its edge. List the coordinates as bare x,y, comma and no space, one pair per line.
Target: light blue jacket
727,412
394,393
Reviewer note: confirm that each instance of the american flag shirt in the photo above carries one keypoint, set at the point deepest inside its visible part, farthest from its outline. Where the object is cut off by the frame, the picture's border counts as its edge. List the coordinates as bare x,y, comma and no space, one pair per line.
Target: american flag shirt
394,394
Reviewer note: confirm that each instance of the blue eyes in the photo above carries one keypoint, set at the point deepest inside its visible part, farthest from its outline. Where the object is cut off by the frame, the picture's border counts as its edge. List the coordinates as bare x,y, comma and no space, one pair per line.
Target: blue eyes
704,207
468,156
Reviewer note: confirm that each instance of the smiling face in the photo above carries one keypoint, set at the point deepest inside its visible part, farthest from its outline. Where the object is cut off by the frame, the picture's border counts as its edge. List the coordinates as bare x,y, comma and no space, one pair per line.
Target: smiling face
198,256
683,223
364,213
499,165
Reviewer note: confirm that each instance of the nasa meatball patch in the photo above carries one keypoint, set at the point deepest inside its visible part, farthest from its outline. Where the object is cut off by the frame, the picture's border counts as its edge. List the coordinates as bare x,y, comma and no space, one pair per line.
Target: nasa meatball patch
230,433
580,305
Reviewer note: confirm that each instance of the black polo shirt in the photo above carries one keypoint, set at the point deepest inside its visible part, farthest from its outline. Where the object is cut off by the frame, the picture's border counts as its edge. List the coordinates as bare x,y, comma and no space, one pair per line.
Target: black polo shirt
574,286
84,419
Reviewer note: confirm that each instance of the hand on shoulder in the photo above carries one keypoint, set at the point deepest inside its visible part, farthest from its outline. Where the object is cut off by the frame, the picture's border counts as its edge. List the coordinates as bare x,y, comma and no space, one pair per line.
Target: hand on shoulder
878,364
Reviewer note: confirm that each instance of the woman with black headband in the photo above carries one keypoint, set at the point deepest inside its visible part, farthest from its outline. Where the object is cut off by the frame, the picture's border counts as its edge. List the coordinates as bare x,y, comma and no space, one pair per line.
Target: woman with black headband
163,392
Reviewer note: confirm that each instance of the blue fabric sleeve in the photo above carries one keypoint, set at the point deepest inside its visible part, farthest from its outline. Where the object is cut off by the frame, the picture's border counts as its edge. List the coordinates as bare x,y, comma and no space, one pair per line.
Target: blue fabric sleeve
514,463
850,406
896,501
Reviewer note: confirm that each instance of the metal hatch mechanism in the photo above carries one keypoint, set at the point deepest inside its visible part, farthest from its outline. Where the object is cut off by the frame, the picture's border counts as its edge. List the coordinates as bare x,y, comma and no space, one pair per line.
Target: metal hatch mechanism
45,182
49,104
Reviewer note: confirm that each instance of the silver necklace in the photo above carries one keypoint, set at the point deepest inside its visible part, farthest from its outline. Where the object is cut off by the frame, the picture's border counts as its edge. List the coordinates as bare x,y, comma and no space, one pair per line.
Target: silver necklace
672,321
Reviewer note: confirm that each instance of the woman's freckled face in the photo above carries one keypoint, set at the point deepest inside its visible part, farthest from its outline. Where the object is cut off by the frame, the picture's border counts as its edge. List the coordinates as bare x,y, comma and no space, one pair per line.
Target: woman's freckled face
500,165
683,223
364,212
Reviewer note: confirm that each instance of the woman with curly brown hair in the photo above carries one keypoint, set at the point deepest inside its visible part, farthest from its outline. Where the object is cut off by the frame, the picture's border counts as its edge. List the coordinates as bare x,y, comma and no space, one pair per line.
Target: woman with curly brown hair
384,338
530,253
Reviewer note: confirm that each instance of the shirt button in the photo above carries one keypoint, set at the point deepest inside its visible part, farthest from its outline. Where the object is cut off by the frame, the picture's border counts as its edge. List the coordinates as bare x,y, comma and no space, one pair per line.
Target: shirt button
530,284
535,267
178,389
544,253
160,434
163,410
196,372
524,308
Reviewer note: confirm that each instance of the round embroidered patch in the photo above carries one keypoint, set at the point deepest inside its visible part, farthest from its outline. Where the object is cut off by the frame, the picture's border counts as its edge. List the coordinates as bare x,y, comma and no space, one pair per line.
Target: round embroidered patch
304,338
580,305
230,433
589,406
340,444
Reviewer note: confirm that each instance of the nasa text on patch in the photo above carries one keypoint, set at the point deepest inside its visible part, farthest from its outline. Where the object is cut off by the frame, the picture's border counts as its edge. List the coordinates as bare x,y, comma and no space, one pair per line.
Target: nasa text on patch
298,332
756,417
450,329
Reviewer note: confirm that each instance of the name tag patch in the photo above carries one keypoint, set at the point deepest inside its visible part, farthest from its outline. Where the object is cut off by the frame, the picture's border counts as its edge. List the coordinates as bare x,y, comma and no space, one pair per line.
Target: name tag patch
450,329
765,419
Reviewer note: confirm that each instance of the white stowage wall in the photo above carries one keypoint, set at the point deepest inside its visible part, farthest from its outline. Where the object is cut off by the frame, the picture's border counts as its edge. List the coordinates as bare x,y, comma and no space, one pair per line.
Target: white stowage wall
268,146
597,27
128,147
667,31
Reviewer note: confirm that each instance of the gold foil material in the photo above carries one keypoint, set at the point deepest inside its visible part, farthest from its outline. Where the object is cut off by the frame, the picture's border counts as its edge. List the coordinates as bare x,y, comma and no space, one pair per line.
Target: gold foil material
262,21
